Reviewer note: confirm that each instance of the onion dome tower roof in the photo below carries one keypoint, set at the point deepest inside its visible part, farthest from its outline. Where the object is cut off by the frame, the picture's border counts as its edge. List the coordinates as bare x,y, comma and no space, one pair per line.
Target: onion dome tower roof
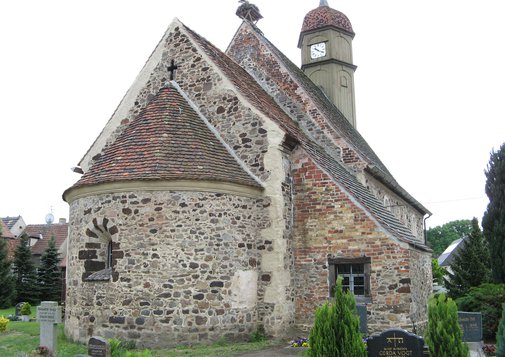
324,16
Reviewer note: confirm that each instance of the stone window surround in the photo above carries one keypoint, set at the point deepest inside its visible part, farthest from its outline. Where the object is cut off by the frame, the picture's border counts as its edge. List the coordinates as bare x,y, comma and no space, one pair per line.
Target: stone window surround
103,233
332,274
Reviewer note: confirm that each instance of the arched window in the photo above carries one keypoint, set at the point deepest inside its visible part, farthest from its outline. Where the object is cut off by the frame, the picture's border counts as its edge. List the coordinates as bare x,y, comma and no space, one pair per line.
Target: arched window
100,251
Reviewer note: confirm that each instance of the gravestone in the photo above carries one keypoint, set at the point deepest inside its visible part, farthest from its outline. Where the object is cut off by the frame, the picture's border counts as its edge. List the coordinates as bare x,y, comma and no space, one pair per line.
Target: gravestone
98,347
396,342
363,327
49,314
19,305
471,324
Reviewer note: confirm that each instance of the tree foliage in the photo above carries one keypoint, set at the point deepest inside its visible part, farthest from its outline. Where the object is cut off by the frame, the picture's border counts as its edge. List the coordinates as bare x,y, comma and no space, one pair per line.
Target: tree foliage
25,273
440,237
493,222
444,336
500,335
7,286
471,264
336,328
487,299
437,272
49,273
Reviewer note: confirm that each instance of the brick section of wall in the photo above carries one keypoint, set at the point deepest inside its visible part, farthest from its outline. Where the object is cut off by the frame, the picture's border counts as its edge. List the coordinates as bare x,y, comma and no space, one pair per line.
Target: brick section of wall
330,225
182,256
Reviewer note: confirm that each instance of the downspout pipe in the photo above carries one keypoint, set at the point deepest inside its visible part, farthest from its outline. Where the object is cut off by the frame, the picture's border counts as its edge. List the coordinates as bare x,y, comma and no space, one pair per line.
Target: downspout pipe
424,227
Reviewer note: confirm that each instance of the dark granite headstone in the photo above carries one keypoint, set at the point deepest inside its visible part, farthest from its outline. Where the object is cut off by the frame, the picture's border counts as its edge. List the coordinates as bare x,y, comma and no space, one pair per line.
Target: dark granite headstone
363,327
19,305
98,347
396,342
471,324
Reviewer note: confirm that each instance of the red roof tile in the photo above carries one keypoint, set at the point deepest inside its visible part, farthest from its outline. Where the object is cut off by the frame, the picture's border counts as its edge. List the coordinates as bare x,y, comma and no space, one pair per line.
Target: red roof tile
58,230
168,140
324,16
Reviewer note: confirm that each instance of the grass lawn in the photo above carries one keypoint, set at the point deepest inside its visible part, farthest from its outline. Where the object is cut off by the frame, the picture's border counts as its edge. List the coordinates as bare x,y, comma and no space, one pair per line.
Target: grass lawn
24,337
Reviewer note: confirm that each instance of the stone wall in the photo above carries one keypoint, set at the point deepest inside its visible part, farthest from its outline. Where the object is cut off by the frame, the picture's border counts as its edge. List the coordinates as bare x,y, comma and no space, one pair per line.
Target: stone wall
184,266
330,226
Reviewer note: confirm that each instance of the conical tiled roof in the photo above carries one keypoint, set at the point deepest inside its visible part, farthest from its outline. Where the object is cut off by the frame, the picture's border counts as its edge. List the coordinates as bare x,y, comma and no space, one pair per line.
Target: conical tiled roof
324,16
168,140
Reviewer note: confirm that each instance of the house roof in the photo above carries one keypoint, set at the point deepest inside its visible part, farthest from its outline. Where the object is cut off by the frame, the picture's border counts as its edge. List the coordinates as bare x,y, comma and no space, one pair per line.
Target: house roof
445,259
12,244
169,140
44,232
6,233
10,221
254,93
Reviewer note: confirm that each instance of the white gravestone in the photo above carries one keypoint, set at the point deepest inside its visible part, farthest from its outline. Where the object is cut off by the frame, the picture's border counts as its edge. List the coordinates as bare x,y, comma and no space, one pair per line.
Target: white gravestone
49,314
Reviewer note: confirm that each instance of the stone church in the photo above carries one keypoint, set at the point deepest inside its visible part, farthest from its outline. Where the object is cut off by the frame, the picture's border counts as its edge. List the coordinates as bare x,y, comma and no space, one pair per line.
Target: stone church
229,191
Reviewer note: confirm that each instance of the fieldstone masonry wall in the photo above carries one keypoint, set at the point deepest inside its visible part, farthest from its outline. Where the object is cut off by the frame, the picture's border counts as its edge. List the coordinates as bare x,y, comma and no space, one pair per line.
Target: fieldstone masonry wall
185,259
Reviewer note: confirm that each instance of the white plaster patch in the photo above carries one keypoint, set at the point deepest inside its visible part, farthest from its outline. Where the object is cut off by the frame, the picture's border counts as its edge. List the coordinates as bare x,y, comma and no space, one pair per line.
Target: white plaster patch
244,289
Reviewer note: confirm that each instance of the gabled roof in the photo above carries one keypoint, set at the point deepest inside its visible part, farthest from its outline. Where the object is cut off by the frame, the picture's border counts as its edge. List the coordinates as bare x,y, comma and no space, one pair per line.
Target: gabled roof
10,221
6,233
445,259
339,124
264,103
169,140
44,232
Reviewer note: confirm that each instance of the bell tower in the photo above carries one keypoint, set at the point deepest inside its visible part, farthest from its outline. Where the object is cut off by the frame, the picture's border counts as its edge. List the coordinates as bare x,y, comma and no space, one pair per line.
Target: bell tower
326,48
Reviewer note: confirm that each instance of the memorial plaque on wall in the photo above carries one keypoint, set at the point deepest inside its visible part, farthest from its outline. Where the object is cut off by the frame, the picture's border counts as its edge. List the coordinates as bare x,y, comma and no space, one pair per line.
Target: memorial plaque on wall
395,342
471,324
363,328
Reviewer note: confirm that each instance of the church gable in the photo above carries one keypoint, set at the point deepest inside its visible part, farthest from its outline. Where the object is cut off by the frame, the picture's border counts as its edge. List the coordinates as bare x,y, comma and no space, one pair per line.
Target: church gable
319,119
168,140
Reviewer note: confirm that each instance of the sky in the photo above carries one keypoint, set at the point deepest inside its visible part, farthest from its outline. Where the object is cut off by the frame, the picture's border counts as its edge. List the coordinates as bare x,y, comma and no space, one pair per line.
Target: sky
429,86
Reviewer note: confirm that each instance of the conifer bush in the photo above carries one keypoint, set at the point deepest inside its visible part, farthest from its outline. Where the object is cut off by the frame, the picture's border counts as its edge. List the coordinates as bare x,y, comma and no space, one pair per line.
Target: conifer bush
336,328
444,336
500,335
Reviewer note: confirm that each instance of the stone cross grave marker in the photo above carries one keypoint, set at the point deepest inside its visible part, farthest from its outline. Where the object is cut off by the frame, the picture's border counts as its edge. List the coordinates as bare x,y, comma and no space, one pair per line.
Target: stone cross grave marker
471,324
98,347
49,314
396,342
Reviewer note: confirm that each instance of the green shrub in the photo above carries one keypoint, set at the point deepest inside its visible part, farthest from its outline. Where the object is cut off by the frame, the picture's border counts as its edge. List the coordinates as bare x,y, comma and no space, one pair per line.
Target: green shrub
26,309
336,328
444,336
488,299
3,323
500,335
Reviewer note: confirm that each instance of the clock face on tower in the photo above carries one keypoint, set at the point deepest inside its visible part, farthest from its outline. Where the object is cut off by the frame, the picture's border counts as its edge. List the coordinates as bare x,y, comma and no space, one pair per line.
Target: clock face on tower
318,50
